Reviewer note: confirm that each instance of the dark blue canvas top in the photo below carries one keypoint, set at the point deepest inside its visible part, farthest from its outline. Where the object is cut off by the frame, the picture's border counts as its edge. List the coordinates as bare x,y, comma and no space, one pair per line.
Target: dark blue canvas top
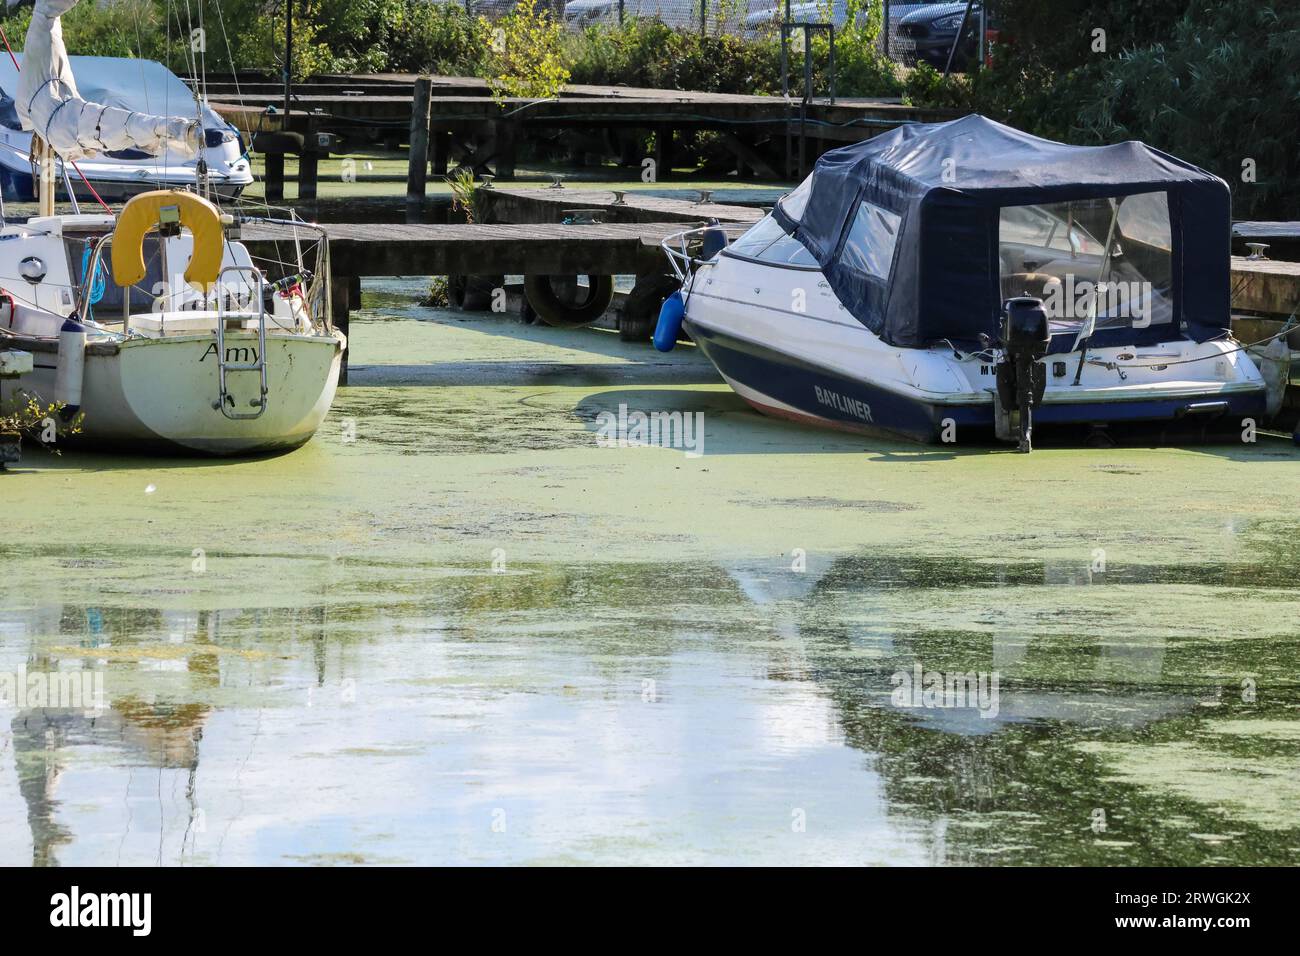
947,181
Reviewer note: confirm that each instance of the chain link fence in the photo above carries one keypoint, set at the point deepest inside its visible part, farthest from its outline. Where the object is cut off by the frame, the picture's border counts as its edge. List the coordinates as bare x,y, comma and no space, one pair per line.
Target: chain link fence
711,16
912,32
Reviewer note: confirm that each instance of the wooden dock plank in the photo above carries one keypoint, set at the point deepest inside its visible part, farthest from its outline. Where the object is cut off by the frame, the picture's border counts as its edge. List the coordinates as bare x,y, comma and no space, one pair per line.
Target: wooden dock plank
546,204
1265,285
430,249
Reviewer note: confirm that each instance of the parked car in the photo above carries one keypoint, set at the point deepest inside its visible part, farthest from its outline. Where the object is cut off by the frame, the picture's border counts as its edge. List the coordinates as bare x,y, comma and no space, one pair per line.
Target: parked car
814,11
810,11
925,33
579,14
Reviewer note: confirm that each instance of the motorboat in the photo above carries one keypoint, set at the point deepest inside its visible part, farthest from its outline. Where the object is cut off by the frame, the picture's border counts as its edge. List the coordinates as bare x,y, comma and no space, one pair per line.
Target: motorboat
951,282
155,326
143,86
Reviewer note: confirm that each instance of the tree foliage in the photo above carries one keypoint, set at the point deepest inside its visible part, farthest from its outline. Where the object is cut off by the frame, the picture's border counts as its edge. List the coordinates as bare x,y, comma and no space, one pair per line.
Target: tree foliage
525,53
1214,82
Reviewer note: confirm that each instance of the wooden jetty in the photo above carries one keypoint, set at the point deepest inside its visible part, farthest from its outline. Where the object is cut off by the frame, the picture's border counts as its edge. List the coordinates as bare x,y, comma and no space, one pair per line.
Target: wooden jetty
362,250
1281,238
549,204
1265,285
456,117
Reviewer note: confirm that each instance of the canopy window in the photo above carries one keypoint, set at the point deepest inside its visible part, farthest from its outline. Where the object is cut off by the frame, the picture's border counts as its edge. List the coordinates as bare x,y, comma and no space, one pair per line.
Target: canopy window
1057,252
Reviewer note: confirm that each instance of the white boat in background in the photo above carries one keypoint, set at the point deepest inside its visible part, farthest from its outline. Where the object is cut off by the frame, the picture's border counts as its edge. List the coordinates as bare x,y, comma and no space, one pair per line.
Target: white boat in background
156,324
143,86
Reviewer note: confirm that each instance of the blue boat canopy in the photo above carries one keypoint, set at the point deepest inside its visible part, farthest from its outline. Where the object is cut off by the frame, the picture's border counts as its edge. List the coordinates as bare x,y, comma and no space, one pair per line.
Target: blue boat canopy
923,232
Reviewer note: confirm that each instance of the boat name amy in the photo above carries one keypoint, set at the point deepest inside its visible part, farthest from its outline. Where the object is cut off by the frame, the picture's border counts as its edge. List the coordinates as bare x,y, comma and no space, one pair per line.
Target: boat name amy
234,353
955,690
849,406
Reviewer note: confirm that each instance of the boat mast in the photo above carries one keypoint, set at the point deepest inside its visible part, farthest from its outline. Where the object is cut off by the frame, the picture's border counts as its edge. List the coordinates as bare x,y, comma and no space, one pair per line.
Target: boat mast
45,160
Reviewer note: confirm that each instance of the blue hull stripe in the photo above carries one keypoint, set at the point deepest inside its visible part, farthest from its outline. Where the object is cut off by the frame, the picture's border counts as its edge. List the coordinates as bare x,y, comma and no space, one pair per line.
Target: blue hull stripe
817,391
18,186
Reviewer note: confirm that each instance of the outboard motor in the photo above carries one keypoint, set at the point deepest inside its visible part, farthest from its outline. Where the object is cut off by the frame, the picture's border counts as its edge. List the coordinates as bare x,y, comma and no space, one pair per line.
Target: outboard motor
1021,378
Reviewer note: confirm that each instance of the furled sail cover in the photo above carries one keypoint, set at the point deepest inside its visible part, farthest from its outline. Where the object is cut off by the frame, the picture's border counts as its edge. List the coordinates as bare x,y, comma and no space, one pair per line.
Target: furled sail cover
937,190
49,104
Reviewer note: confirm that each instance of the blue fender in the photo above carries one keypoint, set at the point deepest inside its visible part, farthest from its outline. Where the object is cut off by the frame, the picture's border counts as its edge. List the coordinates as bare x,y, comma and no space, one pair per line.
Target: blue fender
671,314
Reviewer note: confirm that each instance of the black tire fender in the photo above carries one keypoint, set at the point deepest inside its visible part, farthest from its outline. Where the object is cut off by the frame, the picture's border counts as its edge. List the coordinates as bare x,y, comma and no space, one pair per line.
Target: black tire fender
553,310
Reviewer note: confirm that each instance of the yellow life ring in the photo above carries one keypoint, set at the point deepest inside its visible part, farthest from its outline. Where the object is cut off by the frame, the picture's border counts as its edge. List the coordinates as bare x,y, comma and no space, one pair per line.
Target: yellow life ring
141,215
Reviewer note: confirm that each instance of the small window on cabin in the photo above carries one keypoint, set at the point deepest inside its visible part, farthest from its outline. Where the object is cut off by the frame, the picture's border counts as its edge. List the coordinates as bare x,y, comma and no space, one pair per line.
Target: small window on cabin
870,245
793,203
1144,218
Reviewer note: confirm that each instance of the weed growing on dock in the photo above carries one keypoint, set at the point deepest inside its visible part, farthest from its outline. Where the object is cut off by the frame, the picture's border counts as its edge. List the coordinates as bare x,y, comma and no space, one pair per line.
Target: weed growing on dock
44,423
437,297
464,194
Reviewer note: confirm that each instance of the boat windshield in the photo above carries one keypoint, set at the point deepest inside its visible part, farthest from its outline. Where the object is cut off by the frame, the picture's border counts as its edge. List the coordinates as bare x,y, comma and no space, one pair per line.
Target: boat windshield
767,242
1058,252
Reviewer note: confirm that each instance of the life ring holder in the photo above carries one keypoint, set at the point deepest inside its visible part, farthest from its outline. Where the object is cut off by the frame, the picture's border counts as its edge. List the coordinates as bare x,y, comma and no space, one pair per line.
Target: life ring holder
147,212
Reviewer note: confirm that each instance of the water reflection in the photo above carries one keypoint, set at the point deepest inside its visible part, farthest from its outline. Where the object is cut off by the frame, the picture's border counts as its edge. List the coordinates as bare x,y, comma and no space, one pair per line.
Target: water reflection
745,711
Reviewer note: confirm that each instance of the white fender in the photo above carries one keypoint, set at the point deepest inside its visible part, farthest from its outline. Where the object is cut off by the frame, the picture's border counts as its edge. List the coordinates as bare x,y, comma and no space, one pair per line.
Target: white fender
72,364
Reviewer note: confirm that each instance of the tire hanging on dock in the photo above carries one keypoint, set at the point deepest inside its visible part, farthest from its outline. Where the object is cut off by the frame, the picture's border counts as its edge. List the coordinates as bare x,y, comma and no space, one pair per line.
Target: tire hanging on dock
561,302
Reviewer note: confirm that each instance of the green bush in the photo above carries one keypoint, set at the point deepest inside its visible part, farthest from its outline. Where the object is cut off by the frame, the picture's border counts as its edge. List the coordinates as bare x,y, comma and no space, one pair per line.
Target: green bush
1214,82
650,53
1224,90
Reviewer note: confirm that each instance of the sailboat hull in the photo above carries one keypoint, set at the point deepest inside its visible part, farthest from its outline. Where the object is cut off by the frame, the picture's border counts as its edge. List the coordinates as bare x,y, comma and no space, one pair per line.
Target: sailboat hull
161,395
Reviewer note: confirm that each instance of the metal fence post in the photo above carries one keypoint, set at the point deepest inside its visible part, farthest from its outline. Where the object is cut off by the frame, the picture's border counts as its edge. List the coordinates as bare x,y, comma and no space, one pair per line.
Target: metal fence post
984,33
704,16
621,5
961,32
831,30
884,29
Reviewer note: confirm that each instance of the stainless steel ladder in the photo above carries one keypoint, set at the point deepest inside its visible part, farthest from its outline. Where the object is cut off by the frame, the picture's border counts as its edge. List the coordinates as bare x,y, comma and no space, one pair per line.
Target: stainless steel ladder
225,401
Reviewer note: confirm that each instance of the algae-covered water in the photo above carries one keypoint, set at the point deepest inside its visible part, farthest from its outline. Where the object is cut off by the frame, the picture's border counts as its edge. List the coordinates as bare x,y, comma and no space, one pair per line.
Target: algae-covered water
456,627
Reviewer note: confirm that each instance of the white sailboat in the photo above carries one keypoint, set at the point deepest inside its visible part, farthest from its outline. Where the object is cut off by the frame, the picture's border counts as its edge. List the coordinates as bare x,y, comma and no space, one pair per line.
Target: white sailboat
156,323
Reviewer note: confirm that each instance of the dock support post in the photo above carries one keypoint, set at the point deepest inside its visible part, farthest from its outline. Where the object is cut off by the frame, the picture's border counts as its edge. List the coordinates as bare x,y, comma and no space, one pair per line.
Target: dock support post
308,164
417,169
341,304
663,156
505,148
275,177
439,151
